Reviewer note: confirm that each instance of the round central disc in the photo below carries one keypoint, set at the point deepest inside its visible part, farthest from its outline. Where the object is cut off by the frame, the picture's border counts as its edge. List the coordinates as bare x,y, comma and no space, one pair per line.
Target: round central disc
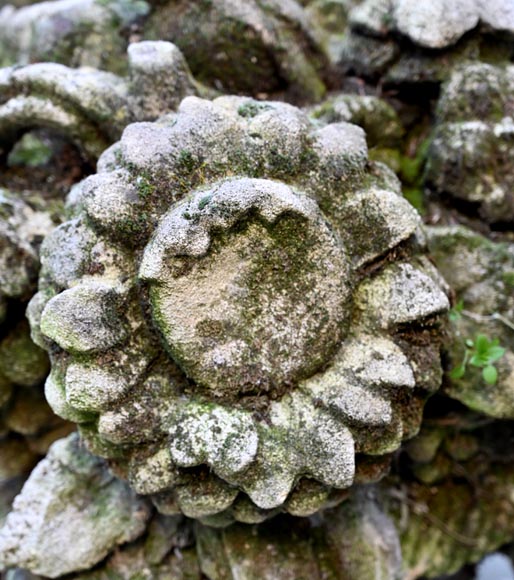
263,305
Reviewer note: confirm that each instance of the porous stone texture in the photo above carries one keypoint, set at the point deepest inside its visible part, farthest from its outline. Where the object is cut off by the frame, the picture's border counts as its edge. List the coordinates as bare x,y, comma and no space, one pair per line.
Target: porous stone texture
165,551
91,107
404,42
70,514
384,129
70,32
481,274
356,540
470,155
222,325
452,500
27,424
255,47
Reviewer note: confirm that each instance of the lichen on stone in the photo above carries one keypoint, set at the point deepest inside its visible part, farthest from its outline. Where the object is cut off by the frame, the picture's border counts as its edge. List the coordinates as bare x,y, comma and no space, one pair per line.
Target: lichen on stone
469,158
213,334
91,107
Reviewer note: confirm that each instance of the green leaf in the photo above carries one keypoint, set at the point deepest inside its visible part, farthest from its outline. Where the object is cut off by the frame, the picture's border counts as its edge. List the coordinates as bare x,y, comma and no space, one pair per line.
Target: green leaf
455,312
479,360
453,315
458,372
495,353
490,375
481,343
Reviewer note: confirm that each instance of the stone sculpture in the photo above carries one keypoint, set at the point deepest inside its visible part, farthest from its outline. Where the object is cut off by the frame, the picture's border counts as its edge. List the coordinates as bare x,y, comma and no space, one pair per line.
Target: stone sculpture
91,107
469,157
402,42
212,310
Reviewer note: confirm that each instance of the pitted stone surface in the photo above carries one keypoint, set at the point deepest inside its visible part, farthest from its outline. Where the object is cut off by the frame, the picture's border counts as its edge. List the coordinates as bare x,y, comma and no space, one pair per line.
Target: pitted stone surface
70,494
214,333
71,32
91,107
228,316
469,158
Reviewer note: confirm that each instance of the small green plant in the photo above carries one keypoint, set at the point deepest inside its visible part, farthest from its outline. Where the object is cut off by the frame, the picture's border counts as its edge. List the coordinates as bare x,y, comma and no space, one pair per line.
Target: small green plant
482,353
456,312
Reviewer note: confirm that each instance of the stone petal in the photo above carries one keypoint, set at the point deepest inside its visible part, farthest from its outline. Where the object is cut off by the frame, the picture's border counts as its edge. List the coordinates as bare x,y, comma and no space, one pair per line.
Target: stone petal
222,438
400,294
83,319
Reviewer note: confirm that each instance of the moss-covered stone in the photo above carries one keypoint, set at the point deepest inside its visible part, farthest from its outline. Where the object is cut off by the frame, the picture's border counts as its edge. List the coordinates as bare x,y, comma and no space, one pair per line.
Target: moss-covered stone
219,352
475,267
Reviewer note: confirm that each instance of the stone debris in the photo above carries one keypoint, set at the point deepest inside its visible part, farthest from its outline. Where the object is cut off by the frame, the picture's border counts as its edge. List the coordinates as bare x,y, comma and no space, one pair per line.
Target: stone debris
70,497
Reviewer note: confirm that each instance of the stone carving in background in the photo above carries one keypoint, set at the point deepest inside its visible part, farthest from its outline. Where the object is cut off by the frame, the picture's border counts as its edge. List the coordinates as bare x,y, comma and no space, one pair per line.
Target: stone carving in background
91,107
470,157
71,32
403,42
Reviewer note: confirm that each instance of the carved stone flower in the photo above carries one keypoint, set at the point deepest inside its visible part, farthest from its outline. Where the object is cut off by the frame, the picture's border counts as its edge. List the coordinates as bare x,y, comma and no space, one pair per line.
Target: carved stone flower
240,315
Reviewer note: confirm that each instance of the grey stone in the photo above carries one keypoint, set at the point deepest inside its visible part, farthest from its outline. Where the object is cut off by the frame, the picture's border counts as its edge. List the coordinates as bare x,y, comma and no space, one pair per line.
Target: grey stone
436,24
70,497
469,156
215,345
71,32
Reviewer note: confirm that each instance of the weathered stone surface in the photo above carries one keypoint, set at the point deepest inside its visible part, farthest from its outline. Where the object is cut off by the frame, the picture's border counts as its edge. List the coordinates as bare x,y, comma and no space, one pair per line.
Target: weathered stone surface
437,24
404,43
469,158
214,345
91,107
70,498
255,47
70,32
481,273
451,500
355,540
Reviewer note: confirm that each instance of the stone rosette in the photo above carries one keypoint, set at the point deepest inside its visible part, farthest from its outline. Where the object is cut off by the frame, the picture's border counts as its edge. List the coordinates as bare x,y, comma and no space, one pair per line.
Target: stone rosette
240,315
